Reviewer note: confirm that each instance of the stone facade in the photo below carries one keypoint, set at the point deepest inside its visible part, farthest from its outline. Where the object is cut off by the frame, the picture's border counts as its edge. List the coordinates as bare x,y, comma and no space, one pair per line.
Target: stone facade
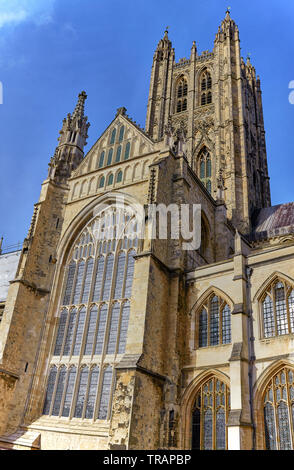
203,144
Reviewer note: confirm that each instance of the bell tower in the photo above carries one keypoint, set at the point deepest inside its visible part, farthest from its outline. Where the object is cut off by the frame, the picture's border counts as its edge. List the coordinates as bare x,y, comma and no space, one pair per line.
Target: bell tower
215,98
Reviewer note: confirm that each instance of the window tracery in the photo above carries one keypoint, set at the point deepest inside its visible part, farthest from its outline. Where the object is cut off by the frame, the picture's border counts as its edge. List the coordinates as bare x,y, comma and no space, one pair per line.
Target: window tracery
209,416
94,316
279,411
181,94
278,309
214,322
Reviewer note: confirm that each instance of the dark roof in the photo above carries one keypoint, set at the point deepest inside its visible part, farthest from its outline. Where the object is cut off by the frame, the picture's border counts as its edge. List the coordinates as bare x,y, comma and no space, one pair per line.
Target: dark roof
273,221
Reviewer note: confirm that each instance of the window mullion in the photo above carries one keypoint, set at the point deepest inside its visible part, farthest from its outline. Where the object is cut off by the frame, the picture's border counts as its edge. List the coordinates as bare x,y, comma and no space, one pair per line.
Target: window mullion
275,414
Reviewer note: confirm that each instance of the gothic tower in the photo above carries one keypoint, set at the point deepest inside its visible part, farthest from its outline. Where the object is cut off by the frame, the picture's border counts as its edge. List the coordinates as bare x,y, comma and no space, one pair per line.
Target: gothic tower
112,338
216,97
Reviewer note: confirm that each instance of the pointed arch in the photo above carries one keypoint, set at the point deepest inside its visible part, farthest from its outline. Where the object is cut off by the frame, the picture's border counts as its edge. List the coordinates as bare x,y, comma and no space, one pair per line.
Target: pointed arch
188,400
204,167
208,293
276,306
269,392
276,275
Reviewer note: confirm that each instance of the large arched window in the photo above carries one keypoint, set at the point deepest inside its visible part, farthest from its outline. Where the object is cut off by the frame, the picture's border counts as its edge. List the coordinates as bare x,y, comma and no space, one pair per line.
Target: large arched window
205,88
181,95
210,416
204,168
277,307
279,411
93,319
214,322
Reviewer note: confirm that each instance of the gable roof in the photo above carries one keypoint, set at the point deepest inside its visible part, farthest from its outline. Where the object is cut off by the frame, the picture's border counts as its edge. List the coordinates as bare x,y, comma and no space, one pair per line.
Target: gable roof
120,118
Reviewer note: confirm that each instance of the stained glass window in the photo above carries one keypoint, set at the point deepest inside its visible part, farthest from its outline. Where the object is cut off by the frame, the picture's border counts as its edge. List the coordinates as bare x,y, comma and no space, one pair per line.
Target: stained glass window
92,327
210,415
278,309
278,409
214,325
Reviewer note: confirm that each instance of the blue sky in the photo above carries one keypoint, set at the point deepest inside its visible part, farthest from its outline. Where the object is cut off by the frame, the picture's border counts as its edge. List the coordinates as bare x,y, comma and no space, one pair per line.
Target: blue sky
50,50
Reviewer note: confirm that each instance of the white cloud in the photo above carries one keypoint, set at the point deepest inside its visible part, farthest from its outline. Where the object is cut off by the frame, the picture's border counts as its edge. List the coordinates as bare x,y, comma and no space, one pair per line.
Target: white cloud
13,12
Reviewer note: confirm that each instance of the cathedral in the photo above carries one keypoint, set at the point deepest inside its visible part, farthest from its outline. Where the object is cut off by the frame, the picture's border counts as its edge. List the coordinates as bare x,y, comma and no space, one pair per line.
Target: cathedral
113,339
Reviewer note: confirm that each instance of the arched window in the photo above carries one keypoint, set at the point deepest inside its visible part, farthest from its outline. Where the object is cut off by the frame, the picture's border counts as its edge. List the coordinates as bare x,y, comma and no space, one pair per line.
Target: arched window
94,317
181,94
127,150
119,177
205,88
277,307
214,324
112,138
210,416
204,168
118,153
278,406
121,133
109,158
110,180
101,159
102,182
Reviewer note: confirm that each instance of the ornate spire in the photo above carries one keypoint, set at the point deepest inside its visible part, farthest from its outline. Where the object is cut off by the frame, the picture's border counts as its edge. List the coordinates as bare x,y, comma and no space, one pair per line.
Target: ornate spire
69,152
80,107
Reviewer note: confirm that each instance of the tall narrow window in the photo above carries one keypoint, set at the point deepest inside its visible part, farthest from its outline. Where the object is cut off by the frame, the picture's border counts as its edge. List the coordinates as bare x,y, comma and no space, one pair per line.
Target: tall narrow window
204,168
121,133
69,391
101,159
181,93
119,177
205,88
118,154
214,323
127,151
279,411
109,158
110,179
210,415
112,138
105,395
101,182
277,305
94,315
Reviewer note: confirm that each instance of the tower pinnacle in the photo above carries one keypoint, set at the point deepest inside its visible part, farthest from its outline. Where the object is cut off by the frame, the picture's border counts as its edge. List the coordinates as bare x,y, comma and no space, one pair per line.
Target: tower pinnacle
70,150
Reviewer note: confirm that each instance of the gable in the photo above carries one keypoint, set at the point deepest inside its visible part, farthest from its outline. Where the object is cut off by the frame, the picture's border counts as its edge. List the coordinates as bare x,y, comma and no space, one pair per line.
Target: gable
122,140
